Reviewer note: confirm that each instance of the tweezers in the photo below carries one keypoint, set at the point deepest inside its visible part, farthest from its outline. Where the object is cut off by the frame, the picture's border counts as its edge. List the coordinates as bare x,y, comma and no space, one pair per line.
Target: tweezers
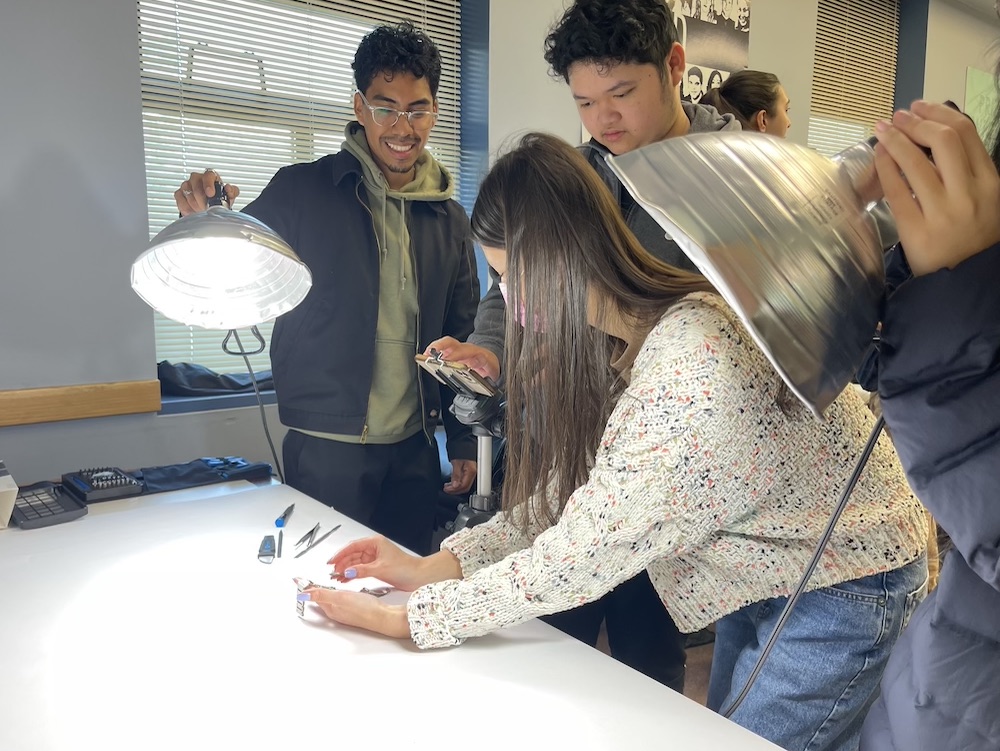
317,541
310,536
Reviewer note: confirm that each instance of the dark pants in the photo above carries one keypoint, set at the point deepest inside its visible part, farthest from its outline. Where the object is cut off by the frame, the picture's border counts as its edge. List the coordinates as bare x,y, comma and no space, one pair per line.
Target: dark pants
641,632
391,489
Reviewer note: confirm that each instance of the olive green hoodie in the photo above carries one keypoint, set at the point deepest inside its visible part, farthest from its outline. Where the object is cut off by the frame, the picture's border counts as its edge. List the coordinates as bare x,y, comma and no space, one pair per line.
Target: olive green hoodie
394,402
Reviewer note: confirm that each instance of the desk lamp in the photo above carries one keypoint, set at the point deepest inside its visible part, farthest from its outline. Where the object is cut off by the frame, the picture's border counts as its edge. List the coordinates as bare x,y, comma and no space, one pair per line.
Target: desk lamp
222,269
793,241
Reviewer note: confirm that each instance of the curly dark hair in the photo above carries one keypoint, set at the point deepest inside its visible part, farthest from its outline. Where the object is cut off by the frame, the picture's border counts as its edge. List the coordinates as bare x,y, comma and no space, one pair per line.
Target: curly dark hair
401,48
611,32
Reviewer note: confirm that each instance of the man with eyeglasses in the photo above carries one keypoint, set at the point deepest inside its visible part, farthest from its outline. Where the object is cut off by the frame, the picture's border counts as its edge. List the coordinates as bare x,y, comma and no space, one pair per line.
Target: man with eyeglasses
393,270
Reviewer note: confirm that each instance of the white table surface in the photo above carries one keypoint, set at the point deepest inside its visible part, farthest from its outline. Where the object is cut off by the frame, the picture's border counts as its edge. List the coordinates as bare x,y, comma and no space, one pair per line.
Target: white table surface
150,624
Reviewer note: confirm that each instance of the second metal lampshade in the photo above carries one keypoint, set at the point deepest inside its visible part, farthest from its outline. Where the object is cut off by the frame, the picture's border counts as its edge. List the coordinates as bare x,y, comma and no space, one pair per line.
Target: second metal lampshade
787,236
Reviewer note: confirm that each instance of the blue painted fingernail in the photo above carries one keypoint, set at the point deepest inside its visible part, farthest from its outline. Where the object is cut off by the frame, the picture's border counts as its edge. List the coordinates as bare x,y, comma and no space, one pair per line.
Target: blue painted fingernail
350,573
303,597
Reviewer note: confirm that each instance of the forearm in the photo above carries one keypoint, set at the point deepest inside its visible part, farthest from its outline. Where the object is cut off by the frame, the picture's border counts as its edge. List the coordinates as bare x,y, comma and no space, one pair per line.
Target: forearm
554,574
440,566
490,332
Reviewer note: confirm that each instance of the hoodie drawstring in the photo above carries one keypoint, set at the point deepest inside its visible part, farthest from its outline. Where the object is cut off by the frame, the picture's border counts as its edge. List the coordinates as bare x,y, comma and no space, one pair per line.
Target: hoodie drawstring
402,255
385,236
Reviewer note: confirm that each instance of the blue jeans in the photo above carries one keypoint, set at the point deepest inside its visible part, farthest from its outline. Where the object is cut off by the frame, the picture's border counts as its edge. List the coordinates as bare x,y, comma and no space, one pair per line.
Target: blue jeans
823,674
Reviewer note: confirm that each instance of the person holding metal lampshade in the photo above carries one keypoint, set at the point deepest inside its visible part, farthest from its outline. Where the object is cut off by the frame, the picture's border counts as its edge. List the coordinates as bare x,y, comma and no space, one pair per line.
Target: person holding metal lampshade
393,269
939,385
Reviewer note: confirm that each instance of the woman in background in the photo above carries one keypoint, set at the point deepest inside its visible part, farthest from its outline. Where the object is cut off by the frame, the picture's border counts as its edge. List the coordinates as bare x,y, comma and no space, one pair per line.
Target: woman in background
756,99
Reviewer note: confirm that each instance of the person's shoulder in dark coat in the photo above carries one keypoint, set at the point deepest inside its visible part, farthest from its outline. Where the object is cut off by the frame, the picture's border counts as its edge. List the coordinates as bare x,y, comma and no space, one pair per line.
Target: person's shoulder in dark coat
939,383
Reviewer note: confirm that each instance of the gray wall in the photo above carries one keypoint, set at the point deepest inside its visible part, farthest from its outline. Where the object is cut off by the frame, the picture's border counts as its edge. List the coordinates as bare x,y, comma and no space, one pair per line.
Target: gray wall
522,95
958,37
72,196
776,48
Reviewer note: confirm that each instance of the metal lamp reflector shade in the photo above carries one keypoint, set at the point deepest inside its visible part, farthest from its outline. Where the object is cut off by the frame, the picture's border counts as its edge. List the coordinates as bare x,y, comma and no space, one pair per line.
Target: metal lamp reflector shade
220,269
790,238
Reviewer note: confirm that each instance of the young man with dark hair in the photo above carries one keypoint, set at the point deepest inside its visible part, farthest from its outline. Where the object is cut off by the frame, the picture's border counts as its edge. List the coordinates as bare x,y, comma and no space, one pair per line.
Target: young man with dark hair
624,65
393,269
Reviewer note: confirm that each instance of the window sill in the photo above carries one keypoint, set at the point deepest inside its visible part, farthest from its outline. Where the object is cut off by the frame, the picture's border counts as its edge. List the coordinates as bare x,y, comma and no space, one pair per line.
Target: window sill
178,405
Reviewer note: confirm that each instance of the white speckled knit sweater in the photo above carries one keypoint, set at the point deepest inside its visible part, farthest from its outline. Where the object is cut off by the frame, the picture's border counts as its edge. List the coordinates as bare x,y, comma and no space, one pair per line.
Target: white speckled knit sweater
701,479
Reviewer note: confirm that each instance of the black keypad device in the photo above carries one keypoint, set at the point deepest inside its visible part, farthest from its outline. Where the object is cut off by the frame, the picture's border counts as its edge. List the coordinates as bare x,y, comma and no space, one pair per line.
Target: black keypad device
44,504
101,484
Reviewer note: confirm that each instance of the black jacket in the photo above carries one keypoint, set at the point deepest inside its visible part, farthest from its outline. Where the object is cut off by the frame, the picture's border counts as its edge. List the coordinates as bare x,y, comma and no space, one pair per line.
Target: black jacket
322,352
939,383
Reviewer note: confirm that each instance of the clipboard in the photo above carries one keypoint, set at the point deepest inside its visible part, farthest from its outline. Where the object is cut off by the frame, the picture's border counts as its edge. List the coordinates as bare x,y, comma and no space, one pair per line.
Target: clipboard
459,377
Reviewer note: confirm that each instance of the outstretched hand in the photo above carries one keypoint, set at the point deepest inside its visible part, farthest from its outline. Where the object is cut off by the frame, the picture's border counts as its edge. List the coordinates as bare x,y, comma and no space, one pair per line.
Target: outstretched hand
361,611
378,557
384,560
947,205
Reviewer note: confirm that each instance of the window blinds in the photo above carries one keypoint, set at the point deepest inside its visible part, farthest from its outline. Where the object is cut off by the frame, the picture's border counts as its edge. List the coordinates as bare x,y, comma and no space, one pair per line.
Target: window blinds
245,87
854,71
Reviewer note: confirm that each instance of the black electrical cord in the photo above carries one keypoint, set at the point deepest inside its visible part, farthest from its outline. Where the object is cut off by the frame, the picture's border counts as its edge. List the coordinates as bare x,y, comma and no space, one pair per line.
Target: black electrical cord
220,198
824,540
256,388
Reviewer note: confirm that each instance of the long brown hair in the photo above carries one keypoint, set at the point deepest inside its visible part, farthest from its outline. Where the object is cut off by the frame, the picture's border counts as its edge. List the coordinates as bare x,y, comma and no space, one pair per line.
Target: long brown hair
564,236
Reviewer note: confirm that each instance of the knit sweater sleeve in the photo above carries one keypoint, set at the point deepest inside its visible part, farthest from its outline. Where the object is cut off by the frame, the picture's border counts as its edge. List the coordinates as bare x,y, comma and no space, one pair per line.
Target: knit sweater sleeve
485,544
652,493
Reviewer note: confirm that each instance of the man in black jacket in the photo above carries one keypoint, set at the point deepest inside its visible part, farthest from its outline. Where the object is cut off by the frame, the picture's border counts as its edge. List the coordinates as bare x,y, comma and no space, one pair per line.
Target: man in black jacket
393,269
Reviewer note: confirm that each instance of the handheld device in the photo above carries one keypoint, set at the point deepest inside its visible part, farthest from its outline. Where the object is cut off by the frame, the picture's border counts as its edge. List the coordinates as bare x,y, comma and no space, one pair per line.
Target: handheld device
265,553
459,377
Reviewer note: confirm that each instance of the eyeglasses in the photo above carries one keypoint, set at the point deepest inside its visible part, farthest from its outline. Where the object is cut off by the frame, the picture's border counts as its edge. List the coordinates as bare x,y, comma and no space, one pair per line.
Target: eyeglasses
387,116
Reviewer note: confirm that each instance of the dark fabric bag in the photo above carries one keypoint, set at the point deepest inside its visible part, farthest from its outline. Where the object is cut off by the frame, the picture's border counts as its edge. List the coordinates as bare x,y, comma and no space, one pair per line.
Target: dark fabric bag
204,471
188,379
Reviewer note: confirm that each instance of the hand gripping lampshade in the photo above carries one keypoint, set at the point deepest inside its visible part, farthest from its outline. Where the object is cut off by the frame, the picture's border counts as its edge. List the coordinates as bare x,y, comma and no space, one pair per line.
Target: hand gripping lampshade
791,239
220,269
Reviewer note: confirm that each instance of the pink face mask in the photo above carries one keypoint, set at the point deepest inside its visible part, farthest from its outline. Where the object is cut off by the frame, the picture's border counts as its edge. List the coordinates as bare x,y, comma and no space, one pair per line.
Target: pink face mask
522,316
